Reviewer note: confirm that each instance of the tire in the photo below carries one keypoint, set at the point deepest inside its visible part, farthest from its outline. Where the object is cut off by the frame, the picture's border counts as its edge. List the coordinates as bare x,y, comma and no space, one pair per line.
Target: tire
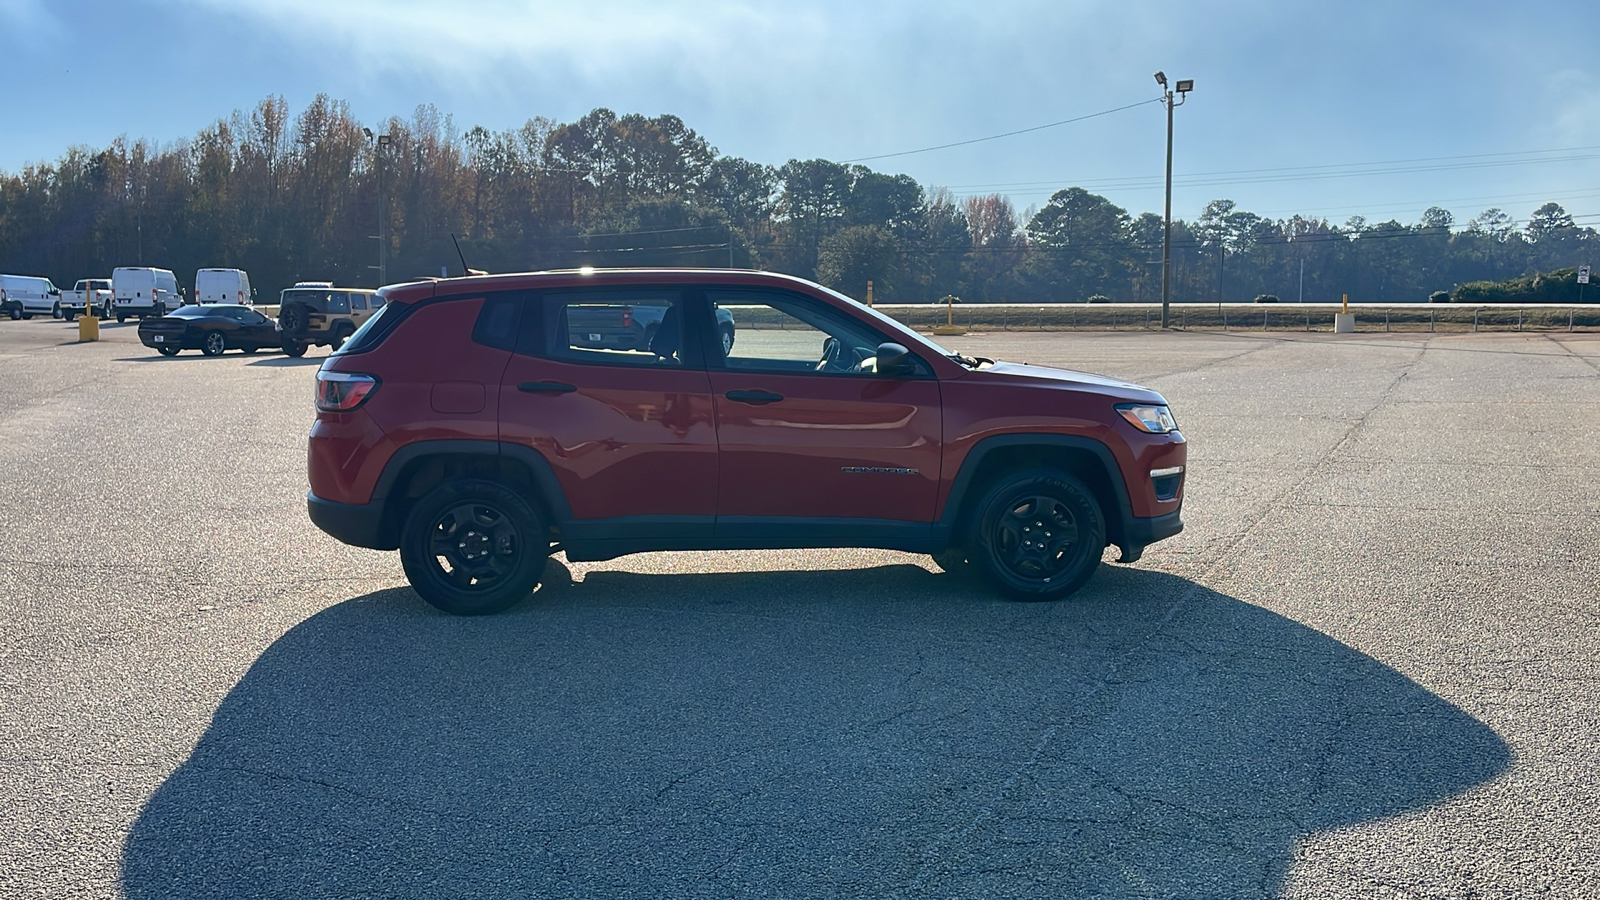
121,318
168,351
69,314
504,540
249,349
15,313
727,341
27,315
1039,535
213,343
293,347
55,311
292,319
340,334
161,310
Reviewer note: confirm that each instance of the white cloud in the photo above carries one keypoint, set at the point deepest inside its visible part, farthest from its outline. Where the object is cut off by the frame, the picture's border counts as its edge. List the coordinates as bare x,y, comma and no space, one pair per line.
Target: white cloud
478,42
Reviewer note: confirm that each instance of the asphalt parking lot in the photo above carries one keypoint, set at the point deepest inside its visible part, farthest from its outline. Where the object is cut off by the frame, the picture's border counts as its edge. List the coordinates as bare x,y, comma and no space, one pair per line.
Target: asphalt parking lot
1368,668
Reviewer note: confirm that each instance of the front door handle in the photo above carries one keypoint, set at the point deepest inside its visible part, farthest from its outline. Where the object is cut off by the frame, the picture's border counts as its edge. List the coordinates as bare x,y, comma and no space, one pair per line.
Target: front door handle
754,398
546,387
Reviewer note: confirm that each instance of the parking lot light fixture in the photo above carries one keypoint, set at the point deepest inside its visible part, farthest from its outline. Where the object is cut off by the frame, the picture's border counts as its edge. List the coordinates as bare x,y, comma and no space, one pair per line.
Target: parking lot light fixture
1182,89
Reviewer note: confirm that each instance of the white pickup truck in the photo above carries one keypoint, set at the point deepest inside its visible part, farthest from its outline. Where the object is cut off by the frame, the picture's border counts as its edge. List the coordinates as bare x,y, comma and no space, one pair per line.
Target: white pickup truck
88,295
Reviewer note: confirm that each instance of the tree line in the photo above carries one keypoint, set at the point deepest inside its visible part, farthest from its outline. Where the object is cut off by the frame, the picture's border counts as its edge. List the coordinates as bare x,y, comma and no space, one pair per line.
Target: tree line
299,197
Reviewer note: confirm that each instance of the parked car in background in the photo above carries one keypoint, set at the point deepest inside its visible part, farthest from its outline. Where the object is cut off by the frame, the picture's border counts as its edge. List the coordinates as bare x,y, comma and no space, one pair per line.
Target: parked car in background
475,423
142,291
315,313
26,296
223,286
88,296
211,329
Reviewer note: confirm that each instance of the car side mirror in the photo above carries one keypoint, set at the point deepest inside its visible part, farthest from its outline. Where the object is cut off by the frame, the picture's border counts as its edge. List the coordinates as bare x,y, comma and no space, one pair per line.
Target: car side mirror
895,361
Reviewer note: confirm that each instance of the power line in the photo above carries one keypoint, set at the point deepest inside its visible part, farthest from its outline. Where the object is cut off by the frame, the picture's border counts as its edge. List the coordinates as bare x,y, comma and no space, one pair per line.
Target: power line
996,137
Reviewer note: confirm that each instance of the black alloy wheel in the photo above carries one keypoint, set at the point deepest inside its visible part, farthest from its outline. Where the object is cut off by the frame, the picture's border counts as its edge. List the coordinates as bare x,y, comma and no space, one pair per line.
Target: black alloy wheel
1039,535
472,547
164,350
213,344
727,341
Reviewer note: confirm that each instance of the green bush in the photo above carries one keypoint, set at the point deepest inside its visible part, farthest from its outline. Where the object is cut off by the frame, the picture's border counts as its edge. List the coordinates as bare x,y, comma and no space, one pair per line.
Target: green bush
1560,286
1439,297
1098,298
1266,298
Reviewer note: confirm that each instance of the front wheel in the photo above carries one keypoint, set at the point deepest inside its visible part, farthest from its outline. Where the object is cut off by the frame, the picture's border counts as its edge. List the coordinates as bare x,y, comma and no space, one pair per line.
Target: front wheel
214,344
473,547
1039,535
55,311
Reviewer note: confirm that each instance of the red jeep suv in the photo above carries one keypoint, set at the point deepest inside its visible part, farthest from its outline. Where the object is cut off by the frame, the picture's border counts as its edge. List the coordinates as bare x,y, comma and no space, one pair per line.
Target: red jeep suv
479,424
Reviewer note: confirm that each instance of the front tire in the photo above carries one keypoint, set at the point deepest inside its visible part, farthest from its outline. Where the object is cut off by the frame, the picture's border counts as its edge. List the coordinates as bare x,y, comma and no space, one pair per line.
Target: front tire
1039,535
55,311
472,548
213,344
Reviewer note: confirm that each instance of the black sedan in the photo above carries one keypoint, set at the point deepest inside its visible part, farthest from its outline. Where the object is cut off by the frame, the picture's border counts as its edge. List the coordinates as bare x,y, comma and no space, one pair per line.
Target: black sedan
211,329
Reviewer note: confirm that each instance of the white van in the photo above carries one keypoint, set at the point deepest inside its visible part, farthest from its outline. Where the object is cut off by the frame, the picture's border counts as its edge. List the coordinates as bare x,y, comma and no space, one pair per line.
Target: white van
223,286
140,291
26,296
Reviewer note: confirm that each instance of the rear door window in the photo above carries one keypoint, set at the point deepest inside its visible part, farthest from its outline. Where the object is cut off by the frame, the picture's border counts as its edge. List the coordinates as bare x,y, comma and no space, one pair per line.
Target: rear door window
632,327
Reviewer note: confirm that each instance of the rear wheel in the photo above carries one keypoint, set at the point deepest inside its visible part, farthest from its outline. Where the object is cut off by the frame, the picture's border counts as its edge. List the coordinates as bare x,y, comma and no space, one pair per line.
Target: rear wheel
15,312
121,318
1039,535
168,351
293,347
340,334
69,314
248,349
473,547
213,344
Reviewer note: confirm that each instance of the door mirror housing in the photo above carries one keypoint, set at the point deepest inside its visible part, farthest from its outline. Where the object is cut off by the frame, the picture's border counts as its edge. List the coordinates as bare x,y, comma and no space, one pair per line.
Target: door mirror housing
895,361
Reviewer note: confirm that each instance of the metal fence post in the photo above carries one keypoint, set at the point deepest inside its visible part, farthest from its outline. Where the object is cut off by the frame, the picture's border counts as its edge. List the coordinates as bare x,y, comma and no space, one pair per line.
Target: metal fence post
1475,321
1386,320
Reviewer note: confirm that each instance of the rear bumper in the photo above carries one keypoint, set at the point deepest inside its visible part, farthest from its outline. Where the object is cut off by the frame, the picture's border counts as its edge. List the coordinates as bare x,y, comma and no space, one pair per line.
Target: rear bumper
357,524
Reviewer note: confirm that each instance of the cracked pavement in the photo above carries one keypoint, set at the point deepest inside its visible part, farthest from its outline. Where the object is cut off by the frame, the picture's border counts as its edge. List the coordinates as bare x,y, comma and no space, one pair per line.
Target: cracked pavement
1367,668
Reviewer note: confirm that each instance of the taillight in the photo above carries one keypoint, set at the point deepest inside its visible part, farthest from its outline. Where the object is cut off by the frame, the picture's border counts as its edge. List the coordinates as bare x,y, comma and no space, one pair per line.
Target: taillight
342,391
627,317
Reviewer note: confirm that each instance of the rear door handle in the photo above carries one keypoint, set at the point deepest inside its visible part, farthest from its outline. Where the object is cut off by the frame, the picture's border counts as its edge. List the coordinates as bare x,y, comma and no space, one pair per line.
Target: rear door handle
754,398
546,387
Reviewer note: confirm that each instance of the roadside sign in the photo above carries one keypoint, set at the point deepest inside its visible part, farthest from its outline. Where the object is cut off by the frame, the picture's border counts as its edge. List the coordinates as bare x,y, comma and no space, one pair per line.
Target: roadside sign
1583,274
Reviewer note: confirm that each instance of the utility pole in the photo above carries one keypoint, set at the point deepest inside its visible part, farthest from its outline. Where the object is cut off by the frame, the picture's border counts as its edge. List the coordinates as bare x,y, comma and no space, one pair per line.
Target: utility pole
1182,88
380,144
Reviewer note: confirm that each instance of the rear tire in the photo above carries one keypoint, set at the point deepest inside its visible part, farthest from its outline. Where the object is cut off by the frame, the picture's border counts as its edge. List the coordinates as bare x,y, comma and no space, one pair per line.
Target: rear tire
121,318
340,334
168,351
1039,535
69,314
294,348
472,548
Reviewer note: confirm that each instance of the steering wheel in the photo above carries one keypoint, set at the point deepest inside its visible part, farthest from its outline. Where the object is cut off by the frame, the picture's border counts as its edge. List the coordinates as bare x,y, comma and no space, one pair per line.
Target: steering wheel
837,358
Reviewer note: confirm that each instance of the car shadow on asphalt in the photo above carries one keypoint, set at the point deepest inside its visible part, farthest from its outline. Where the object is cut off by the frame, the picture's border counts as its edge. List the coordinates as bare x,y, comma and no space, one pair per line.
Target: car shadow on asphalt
883,731
290,361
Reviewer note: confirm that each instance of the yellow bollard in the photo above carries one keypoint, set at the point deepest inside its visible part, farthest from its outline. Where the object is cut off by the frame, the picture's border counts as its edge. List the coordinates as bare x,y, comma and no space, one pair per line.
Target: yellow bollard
88,328
949,326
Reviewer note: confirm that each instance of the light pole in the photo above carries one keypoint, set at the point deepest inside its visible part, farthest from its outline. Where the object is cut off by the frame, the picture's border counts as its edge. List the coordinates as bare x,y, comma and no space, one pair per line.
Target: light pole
1182,88
382,143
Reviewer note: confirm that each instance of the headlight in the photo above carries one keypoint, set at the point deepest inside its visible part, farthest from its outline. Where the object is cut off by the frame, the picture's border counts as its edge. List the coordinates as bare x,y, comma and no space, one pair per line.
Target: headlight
1148,417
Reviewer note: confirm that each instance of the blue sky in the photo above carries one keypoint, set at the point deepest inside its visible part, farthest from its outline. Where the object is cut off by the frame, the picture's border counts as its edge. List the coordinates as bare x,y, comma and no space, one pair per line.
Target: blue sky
1464,105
